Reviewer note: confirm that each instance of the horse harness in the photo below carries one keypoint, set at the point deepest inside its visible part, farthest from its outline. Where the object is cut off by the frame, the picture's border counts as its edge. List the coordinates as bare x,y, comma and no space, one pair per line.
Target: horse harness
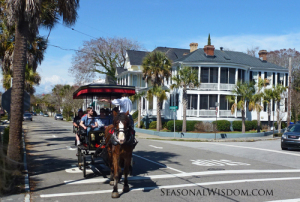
114,136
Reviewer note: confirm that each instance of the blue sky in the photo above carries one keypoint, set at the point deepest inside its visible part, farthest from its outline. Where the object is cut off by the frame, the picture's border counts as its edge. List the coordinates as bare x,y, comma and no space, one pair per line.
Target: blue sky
235,25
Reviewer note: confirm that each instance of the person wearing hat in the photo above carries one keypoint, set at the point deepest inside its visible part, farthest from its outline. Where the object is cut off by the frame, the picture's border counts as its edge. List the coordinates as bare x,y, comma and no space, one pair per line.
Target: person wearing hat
76,122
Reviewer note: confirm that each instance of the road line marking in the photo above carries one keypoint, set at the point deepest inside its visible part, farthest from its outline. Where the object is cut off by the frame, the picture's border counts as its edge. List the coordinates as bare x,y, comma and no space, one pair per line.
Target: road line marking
70,148
180,175
222,162
171,186
287,200
158,163
77,170
156,147
269,150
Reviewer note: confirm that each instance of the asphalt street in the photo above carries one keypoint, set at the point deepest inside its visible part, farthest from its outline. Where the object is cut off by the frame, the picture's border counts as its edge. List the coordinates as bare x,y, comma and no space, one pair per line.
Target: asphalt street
163,170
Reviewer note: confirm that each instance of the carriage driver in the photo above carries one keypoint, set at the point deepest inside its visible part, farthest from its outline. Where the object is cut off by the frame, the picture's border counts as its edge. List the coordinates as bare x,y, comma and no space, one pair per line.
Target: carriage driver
88,122
125,105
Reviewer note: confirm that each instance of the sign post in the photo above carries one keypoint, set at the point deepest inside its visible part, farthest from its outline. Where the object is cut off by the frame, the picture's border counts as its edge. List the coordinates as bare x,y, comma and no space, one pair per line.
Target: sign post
174,108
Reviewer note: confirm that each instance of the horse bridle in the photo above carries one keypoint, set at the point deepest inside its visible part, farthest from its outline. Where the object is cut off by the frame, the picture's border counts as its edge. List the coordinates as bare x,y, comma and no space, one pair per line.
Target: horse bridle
125,131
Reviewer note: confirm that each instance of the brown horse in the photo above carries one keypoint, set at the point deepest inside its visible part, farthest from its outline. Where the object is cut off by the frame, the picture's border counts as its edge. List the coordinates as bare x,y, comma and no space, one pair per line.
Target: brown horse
118,138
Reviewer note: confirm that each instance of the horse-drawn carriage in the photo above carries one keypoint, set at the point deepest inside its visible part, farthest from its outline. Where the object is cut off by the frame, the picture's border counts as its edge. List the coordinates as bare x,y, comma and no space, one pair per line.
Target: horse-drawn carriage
99,143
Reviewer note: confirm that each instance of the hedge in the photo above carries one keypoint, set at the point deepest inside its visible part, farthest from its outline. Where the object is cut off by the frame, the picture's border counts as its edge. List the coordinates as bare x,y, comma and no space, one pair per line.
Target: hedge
178,125
135,114
152,125
222,125
254,125
190,125
237,125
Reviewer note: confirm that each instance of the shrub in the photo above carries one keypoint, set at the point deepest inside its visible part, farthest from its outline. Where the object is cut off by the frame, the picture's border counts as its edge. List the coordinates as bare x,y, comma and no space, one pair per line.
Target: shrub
277,135
190,125
152,125
164,124
135,114
237,125
222,125
178,125
142,124
254,124
204,127
248,125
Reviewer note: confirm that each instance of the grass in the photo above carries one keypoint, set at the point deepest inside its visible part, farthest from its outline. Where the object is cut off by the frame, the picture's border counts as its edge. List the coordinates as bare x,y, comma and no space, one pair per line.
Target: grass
218,132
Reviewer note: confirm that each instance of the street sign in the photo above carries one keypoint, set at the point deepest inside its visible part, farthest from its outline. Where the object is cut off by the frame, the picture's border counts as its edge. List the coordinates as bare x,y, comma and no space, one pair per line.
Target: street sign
6,100
173,107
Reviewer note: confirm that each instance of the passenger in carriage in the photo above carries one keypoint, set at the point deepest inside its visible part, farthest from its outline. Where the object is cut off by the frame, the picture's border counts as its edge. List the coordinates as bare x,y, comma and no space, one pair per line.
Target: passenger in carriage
89,122
102,120
76,123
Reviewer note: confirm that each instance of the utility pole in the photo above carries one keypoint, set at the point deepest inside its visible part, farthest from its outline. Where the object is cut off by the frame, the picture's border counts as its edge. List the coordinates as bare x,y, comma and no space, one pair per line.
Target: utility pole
289,92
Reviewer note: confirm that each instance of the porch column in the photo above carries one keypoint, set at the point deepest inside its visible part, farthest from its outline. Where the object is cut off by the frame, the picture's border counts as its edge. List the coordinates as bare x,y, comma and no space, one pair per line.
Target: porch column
219,79
128,84
198,105
235,112
199,74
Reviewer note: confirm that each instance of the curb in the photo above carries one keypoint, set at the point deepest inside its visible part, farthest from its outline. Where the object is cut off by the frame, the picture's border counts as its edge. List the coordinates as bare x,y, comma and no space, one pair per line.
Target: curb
27,186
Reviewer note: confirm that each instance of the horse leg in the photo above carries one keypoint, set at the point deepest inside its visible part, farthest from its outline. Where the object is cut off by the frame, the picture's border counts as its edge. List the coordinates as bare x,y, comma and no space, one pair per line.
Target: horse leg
115,193
127,162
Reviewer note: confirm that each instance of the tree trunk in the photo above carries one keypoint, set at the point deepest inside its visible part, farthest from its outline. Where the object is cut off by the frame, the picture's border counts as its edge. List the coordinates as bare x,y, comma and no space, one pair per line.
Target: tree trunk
278,121
184,102
258,121
273,121
269,117
139,113
243,121
158,119
17,94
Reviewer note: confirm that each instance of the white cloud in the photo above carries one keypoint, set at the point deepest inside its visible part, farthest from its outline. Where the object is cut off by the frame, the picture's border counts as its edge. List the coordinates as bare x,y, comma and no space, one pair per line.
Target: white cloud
242,42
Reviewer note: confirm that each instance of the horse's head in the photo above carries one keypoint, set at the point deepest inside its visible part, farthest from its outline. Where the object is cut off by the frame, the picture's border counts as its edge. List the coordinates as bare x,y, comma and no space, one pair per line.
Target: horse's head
121,125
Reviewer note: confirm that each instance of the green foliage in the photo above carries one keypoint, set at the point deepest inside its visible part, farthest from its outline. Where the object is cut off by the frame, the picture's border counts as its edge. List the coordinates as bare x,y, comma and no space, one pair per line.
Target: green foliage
222,125
178,125
254,124
237,125
190,125
152,125
165,124
135,114
142,124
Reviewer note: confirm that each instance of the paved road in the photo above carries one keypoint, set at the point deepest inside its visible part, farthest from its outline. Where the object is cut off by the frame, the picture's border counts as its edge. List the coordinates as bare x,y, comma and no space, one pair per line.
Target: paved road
163,170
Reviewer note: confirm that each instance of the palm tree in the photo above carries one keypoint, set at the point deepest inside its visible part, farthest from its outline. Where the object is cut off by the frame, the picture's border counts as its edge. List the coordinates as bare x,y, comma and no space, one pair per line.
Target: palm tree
277,97
26,16
185,78
156,68
161,95
255,102
138,96
244,91
31,78
267,97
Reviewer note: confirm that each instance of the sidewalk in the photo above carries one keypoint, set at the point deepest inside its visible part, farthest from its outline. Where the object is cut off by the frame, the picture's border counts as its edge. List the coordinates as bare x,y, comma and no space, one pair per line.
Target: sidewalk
218,139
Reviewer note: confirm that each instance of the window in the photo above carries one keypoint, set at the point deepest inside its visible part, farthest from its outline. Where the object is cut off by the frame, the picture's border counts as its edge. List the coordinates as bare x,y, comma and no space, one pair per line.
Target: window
144,103
274,79
134,80
286,80
150,104
241,75
224,75
278,78
204,74
196,70
273,105
266,75
203,101
174,102
251,76
212,101
224,103
265,107
232,75
209,75
259,74
285,104
192,101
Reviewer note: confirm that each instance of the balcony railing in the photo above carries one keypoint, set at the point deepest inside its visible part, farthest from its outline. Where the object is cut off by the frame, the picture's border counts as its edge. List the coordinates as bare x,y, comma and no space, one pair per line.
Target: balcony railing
224,86
226,113
152,112
191,112
209,86
238,114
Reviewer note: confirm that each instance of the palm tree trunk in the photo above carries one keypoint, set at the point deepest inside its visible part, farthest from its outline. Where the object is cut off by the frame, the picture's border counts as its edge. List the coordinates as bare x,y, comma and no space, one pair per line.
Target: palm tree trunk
139,112
184,110
158,116
269,117
258,121
243,121
273,121
17,103
278,121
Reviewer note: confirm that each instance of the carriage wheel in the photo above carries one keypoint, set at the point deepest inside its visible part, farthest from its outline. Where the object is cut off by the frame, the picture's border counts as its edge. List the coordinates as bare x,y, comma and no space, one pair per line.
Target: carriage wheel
131,167
84,166
79,158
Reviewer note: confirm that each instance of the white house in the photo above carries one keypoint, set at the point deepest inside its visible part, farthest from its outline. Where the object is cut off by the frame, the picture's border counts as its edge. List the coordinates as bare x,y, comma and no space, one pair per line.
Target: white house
218,71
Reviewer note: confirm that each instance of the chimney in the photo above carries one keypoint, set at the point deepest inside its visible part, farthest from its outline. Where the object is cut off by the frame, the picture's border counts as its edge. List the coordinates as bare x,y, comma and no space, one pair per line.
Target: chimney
193,47
263,55
209,50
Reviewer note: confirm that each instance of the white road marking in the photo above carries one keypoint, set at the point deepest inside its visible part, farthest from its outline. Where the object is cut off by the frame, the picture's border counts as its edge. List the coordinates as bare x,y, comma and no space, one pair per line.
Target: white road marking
181,175
70,148
156,147
269,150
171,186
212,162
286,200
50,136
77,170
158,163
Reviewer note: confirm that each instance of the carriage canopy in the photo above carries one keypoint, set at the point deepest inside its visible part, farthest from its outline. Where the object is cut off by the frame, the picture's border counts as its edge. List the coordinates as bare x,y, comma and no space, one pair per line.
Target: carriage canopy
104,91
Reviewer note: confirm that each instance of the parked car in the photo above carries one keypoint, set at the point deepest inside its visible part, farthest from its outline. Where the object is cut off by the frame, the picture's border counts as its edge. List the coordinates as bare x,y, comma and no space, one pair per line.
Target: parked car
46,115
58,116
41,114
288,128
291,138
33,114
27,116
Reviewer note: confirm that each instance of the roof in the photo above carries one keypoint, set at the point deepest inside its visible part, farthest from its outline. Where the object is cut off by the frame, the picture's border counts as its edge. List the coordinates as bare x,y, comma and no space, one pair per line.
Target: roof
229,57
136,57
120,70
173,53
